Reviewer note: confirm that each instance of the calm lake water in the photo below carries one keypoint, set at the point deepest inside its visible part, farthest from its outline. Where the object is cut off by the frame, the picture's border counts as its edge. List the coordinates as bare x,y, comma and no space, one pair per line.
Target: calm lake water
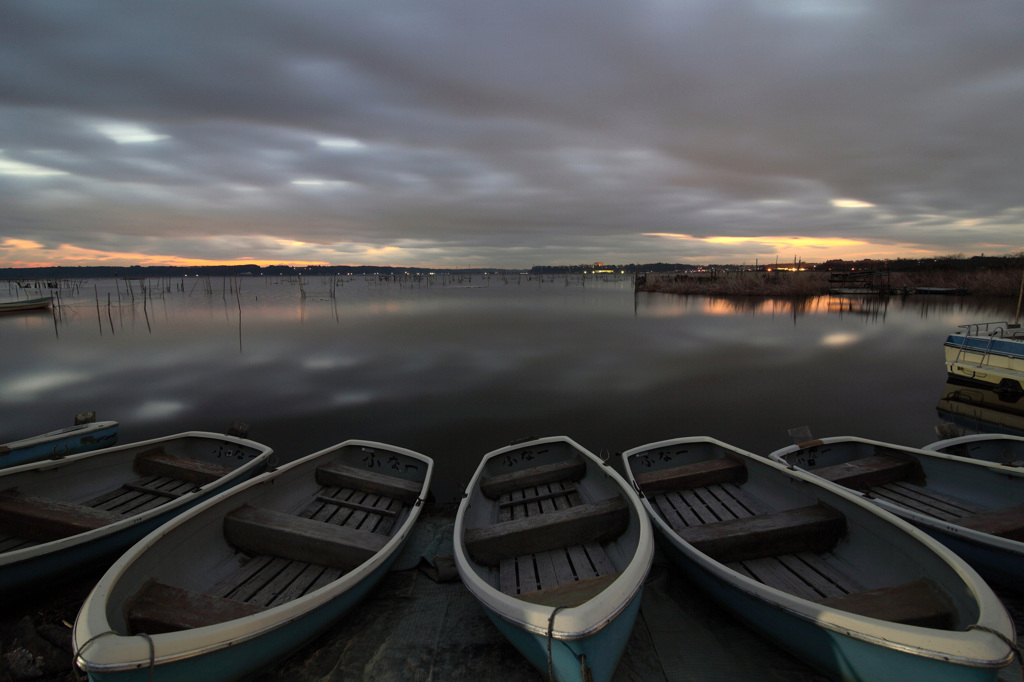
454,367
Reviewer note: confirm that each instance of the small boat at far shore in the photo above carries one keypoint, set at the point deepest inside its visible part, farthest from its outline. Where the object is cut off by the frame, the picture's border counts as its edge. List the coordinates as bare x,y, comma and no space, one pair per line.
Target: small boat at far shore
975,508
990,447
25,304
251,574
60,443
58,517
852,590
555,546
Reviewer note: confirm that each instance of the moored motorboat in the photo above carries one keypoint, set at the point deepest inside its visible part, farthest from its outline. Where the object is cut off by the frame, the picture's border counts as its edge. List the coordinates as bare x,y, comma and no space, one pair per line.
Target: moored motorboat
60,443
850,589
251,574
555,546
975,508
989,447
60,516
987,354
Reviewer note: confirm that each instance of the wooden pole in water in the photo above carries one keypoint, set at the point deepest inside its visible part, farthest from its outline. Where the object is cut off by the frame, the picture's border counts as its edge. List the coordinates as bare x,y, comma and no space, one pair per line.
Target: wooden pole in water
99,320
1020,297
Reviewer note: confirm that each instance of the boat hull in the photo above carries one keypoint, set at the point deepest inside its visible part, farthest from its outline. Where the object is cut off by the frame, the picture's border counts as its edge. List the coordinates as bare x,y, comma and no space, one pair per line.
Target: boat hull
596,626
241,660
986,359
838,655
196,552
28,570
1000,448
999,560
760,582
40,572
26,305
599,652
61,443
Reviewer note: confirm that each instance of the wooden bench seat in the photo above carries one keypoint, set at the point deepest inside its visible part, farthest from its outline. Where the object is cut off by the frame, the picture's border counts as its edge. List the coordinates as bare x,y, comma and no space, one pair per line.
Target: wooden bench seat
161,608
598,522
494,487
807,529
570,594
872,471
696,475
405,491
915,603
39,518
1005,523
263,531
156,462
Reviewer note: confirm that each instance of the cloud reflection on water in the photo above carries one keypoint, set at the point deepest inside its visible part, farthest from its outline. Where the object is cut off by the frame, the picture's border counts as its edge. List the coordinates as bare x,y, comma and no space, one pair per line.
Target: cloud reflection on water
455,372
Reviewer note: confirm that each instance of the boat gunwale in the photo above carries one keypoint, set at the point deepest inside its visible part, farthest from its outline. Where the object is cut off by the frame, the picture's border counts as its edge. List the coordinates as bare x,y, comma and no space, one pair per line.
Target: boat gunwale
186,644
898,637
17,556
594,614
948,527
939,445
77,429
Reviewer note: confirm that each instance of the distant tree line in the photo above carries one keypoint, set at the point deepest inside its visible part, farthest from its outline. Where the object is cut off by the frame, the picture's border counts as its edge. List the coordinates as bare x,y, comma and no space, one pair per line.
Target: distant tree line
957,262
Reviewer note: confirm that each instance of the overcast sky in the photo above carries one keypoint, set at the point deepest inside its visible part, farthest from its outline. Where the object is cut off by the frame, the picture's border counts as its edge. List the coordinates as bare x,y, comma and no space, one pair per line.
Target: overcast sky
468,133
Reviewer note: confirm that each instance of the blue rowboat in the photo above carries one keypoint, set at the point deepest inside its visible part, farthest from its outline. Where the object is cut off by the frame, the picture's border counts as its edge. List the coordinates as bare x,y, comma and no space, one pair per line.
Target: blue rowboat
251,574
58,517
989,447
60,443
849,588
975,508
555,546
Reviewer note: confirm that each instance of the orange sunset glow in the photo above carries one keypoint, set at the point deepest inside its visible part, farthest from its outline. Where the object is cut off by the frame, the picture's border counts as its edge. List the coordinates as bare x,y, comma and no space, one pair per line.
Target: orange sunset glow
23,253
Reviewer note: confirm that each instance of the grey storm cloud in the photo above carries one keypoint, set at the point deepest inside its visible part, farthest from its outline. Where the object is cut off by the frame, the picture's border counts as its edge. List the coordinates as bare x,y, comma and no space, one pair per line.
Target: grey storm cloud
509,133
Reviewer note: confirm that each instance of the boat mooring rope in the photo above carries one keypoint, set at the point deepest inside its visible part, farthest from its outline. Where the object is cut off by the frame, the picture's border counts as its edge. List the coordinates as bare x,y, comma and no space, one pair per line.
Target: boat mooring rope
79,650
584,668
551,628
1006,640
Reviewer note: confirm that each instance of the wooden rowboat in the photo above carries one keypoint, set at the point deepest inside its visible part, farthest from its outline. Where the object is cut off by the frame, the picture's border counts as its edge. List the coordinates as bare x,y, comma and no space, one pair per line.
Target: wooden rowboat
989,447
26,304
251,574
60,443
975,508
852,590
555,546
60,516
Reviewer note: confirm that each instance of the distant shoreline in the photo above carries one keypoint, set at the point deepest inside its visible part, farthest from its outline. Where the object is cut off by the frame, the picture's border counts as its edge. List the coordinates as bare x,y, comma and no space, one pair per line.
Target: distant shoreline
1003,282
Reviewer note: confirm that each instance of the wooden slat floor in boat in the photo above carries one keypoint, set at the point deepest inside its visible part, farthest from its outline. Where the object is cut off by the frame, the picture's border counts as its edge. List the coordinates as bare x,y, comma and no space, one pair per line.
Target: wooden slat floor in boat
543,570
141,495
144,494
269,581
922,499
804,574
